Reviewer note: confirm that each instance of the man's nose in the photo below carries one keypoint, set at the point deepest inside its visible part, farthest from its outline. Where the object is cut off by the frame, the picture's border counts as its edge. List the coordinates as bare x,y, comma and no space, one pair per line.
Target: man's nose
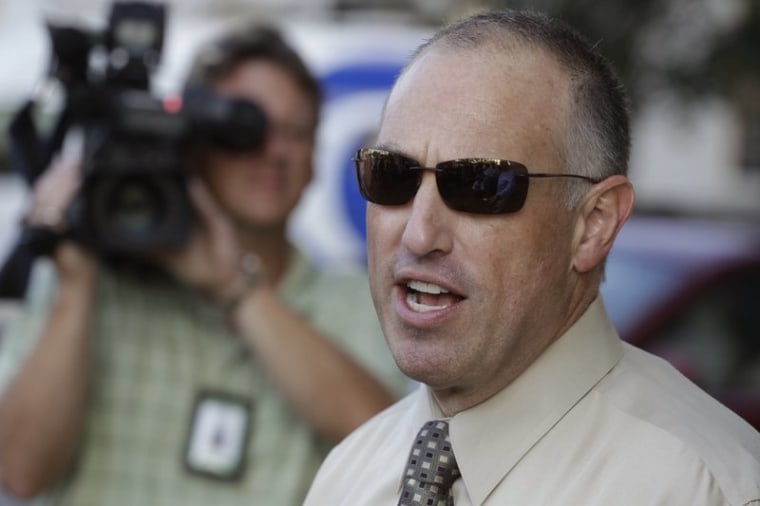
427,228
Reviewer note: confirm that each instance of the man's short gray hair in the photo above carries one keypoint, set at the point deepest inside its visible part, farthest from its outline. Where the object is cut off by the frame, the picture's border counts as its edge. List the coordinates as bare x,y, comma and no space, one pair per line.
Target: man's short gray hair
597,131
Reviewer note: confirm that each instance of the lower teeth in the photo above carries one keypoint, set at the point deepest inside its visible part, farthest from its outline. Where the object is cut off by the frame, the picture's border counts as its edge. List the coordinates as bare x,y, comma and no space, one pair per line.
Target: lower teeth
411,300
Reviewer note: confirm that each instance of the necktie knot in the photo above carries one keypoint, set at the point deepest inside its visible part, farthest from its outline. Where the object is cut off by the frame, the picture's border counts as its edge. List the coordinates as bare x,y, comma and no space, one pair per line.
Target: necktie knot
431,469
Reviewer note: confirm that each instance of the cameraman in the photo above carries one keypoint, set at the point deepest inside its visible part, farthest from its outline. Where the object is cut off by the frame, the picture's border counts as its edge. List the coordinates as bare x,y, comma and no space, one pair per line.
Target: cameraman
225,382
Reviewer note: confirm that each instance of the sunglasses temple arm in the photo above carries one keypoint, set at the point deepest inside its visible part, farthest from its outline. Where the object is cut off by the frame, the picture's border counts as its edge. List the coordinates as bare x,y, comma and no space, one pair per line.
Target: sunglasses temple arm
574,176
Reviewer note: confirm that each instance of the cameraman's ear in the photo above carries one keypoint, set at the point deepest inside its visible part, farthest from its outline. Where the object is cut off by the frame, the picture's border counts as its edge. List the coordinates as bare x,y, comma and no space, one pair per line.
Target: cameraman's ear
602,213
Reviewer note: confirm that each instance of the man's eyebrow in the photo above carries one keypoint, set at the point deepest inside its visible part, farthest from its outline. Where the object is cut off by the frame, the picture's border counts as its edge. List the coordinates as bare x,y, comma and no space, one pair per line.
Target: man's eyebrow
392,147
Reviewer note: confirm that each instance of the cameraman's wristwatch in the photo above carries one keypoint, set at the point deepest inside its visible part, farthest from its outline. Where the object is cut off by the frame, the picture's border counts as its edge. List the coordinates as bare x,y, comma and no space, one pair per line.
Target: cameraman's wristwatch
250,275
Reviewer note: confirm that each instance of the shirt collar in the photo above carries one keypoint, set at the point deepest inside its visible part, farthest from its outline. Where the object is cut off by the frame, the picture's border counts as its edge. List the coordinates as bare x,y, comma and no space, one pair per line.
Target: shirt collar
490,438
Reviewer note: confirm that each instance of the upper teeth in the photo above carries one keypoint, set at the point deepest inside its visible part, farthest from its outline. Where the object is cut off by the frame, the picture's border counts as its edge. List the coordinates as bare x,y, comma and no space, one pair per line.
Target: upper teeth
430,288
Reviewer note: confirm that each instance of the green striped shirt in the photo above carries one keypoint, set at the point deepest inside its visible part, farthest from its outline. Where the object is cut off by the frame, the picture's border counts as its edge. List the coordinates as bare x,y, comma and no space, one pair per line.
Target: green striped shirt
155,346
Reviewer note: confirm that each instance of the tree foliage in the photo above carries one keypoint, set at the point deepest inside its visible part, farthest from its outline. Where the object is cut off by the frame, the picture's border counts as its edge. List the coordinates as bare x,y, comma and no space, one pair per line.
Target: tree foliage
693,47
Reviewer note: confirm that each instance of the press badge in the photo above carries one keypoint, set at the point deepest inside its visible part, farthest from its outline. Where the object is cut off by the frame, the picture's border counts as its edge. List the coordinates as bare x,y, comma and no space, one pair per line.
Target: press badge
217,439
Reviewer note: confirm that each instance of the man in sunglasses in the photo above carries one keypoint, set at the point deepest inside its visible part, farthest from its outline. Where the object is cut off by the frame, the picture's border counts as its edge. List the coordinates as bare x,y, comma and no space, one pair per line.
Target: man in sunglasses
496,190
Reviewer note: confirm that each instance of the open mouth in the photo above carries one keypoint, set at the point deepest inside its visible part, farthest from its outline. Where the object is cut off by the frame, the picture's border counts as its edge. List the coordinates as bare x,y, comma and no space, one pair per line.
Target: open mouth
424,297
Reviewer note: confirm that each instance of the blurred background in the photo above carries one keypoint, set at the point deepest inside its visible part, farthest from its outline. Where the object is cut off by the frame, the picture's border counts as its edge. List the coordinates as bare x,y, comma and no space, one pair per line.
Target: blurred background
684,279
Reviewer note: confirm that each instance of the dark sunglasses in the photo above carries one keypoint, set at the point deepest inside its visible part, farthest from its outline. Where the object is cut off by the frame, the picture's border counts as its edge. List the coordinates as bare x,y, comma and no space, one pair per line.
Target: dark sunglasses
471,185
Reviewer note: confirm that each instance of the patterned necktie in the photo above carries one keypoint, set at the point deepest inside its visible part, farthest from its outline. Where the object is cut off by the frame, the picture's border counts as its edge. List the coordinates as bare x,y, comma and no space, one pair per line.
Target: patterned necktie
431,469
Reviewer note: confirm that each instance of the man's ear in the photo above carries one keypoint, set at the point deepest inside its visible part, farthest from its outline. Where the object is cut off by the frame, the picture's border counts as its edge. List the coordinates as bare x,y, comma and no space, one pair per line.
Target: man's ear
602,213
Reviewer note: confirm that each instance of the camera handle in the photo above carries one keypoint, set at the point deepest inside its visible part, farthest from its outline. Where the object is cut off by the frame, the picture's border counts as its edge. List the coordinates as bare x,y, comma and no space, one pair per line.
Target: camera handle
15,271
29,157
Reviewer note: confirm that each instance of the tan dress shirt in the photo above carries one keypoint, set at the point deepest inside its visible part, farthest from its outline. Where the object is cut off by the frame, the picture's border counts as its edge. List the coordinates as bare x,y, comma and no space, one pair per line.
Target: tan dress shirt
594,421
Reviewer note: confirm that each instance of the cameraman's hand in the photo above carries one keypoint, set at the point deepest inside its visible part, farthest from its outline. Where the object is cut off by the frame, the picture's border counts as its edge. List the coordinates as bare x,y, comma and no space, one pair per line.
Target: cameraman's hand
52,195
210,262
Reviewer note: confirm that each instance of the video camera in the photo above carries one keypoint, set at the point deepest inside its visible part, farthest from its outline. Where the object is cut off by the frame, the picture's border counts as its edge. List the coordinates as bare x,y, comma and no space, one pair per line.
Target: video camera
133,196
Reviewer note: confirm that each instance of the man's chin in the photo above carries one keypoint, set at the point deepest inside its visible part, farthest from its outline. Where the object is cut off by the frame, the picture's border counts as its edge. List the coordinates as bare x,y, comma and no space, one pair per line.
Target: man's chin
426,372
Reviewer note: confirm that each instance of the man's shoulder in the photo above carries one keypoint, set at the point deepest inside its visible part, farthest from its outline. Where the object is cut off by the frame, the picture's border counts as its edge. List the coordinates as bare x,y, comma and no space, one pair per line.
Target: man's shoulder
304,278
348,278
658,400
334,300
650,388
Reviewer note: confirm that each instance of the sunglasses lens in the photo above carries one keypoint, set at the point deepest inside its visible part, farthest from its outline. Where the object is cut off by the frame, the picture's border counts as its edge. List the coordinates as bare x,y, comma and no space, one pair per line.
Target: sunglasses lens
386,178
482,186
474,185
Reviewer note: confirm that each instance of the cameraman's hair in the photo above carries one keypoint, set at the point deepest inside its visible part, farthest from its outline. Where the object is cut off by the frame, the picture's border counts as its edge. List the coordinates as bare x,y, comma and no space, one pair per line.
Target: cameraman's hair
224,55
597,128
